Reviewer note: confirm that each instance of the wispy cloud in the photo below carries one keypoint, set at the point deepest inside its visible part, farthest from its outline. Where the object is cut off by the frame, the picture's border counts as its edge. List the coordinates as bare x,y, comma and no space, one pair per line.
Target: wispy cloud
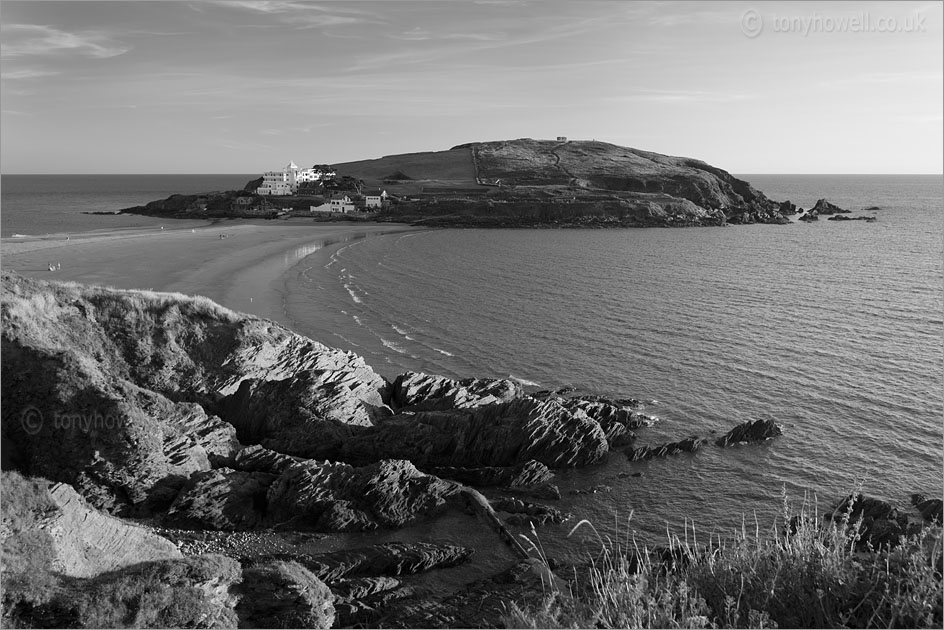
302,14
420,34
26,73
25,40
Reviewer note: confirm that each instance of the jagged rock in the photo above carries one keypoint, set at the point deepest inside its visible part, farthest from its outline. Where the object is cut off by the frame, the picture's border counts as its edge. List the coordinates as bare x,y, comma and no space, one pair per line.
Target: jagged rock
824,207
224,499
880,522
530,473
524,513
544,491
617,420
320,495
932,510
756,431
346,589
688,445
105,389
358,600
112,440
416,391
809,216
308,415
283,594
332,496
364,612
260,459
390,559
560,392
501,434
787,207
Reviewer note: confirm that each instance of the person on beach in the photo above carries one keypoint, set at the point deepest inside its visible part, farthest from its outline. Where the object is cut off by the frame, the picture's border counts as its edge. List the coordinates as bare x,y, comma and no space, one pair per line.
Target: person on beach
51,268
58,266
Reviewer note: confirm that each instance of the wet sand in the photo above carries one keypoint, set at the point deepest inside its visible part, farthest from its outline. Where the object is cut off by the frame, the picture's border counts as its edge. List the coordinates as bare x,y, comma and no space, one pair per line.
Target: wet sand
238,271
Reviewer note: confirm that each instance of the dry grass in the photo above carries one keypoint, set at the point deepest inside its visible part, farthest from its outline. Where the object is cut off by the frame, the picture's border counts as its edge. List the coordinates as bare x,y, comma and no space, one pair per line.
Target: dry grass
453,166
813,577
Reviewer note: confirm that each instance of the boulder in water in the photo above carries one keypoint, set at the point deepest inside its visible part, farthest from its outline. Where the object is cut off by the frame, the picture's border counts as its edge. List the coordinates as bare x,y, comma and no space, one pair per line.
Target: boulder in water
757,431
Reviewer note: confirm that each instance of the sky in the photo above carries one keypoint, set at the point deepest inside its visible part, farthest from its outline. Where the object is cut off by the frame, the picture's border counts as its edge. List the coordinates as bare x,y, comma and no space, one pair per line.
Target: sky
244,87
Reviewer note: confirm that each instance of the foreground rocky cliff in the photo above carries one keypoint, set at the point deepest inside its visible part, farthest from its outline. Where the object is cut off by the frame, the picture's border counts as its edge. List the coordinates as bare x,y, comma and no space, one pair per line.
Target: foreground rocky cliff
172,409
221,433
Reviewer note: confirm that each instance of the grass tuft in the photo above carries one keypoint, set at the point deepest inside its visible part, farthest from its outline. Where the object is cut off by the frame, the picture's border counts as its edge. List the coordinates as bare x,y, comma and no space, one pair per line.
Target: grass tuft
813,573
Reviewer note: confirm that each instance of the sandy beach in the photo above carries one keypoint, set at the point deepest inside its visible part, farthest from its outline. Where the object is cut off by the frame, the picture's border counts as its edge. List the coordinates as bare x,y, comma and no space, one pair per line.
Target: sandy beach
239,270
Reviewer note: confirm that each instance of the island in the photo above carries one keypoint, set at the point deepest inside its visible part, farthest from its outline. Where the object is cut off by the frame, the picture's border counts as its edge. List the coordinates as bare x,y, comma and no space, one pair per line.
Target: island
508,183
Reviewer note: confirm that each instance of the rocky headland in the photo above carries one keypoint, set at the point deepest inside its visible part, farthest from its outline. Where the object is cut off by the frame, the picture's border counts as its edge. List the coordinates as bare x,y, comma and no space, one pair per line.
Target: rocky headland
514,183
159,443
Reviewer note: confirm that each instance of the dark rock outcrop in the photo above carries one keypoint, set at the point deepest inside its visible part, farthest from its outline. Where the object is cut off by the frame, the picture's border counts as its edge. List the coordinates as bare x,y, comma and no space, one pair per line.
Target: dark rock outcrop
387,559
307,415
223,499
415,391
787,208
524,513
880,523
756,431
688,445
310,494
616,418
260,459
498,434
530,473
931,510
334,497
840,217
823,207
107,390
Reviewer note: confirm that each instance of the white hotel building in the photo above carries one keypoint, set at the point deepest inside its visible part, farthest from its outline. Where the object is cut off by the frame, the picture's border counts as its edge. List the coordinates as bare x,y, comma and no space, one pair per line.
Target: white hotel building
286,181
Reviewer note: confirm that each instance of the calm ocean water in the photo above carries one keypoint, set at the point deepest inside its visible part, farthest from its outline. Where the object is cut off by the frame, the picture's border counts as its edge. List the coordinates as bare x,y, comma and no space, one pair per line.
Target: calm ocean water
833,330
54,204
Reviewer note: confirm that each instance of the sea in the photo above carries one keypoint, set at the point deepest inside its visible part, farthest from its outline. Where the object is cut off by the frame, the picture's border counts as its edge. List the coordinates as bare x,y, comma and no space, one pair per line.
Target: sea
831,329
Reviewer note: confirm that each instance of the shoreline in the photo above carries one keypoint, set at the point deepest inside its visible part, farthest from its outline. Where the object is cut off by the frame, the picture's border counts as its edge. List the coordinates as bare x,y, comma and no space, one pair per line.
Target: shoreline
240,271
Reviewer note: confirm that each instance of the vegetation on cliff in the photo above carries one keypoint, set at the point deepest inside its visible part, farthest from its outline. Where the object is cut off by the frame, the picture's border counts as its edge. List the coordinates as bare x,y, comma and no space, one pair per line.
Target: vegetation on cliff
811,572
